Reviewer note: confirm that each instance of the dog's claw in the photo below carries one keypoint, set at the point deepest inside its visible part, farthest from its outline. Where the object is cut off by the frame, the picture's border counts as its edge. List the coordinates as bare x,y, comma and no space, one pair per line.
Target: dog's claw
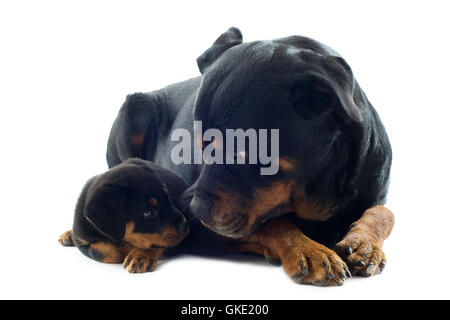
370,268
348,273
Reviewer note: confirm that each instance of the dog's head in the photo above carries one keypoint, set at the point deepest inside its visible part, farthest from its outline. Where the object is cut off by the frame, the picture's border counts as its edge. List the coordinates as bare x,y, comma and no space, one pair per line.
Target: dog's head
129,203
295,85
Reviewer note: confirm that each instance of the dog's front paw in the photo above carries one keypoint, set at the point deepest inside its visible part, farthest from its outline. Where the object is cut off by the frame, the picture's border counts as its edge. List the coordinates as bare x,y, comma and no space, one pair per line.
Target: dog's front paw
66,239
362,252
140,261
309,262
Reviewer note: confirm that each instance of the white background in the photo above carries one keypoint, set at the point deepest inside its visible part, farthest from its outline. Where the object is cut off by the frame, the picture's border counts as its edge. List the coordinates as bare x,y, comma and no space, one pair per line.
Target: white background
66,67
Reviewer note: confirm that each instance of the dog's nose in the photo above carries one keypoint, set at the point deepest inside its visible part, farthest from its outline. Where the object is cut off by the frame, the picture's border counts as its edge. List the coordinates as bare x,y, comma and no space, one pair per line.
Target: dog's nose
201,204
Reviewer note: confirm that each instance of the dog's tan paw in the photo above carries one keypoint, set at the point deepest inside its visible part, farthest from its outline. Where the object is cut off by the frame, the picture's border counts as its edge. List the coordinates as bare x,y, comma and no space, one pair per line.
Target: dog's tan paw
140,261
66,239
312,263
362,252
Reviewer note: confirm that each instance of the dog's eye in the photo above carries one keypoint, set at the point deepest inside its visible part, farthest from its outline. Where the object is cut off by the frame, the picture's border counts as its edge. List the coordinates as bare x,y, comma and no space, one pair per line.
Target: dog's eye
150,213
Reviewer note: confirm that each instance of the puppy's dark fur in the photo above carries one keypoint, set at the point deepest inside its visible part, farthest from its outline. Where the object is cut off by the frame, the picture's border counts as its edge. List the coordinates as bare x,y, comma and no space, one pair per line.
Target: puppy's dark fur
335,156
128,208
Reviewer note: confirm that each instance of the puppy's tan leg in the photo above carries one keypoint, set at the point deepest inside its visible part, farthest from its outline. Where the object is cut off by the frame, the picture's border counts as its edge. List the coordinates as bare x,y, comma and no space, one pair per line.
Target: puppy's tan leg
361,248
102,251
134,260
66,239
107,252
304,260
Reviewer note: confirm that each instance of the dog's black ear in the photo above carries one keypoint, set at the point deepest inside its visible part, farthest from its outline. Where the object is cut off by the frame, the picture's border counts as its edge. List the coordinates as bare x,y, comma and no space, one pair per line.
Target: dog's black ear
104,209
232,37
313,95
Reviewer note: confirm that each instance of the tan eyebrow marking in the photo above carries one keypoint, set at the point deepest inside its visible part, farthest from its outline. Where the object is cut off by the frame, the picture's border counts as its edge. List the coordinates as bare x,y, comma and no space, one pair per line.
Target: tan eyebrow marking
287,164
154,202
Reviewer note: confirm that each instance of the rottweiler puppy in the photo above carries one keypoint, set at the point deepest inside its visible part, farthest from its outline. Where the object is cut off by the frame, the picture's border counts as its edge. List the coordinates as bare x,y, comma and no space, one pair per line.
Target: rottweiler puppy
322,213
128,215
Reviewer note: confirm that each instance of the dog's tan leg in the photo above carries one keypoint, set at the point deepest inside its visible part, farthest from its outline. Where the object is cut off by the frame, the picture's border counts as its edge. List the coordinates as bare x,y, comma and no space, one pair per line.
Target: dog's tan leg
107,252
135,260
361,248
102,251
304,260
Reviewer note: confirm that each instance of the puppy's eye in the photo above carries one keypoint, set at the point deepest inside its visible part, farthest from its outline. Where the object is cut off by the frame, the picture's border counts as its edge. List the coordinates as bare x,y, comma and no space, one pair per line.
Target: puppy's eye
150,213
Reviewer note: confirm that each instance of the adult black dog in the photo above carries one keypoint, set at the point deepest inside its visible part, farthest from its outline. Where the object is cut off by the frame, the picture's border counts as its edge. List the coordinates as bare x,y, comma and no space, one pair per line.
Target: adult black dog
334,162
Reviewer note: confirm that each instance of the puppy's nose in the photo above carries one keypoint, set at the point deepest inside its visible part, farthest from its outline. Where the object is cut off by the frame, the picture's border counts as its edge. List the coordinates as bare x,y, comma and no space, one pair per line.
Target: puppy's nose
201,204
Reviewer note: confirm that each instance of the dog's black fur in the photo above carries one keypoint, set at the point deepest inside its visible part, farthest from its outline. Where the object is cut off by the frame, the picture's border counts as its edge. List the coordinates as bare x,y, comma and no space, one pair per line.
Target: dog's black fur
336,146
138,192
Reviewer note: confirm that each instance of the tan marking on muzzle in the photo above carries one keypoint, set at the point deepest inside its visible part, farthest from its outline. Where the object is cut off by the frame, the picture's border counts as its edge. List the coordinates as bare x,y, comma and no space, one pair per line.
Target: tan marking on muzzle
225,205
168,237
267,199
232,212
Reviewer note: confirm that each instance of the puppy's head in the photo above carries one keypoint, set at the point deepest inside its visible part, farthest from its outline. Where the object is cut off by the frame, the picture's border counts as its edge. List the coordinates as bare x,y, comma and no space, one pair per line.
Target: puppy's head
295,85
129,203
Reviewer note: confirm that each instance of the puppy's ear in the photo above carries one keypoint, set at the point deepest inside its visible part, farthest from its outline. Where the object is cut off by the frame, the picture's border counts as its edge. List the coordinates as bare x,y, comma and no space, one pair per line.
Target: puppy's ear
313,95
232,37
104,209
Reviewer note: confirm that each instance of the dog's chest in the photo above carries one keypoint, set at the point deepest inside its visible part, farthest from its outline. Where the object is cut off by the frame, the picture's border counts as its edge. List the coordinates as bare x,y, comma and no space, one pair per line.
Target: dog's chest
310,208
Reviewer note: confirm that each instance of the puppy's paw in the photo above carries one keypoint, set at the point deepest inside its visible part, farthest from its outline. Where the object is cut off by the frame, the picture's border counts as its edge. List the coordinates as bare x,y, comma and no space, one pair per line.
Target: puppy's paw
309,262
66,239
362,252
140,261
